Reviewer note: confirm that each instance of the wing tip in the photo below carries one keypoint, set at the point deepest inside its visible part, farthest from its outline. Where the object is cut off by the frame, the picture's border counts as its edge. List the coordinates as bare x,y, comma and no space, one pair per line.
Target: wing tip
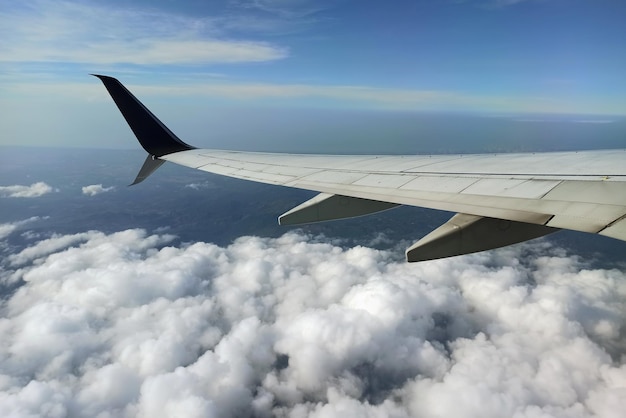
103,77
151,133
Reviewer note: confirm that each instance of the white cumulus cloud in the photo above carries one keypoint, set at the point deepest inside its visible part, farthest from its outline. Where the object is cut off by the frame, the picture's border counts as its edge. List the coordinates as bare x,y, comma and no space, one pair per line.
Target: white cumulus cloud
94,189
34,190
125,325
7,228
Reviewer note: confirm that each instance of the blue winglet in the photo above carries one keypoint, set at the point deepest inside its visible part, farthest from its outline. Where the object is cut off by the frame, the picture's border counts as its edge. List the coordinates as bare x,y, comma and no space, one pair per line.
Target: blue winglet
152,134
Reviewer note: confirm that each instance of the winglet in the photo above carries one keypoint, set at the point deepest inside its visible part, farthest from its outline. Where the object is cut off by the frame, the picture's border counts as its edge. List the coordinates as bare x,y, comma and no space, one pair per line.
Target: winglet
152,134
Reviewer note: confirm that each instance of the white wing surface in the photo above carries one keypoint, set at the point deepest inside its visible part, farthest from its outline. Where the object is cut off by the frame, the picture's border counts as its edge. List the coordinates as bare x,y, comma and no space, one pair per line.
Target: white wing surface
501,199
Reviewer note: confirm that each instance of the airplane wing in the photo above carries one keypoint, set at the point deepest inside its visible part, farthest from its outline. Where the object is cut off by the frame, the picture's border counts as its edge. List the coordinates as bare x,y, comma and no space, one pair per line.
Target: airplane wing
500,199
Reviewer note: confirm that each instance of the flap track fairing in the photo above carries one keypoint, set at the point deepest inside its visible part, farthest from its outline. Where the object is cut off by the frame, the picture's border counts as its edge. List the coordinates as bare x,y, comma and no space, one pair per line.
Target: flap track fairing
328,207
465,234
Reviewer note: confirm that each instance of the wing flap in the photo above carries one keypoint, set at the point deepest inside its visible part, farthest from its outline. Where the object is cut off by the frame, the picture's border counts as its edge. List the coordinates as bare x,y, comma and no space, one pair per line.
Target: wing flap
616,230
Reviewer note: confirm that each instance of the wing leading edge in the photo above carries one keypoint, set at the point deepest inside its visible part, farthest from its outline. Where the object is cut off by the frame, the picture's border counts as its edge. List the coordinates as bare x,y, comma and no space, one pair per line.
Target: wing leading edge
500,199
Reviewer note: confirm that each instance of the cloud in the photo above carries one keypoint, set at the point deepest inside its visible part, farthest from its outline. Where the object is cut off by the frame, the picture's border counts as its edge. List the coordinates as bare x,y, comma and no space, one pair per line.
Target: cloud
504,3
7,229
492,4
365,97
200,186
94,189
565,120
125,325
353,96
190,88
299,94
290,9
286,91
34,190
73,32
45,247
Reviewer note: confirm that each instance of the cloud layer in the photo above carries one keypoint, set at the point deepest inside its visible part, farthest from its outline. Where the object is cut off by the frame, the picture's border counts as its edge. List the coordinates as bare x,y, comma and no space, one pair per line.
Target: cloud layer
34,190
124,325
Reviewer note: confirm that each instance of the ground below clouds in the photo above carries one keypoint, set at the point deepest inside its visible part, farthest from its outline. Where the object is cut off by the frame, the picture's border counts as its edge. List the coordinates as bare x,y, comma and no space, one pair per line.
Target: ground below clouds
124,325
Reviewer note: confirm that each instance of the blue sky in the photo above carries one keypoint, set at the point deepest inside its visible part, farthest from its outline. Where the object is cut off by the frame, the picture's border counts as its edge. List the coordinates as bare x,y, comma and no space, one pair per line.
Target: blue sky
474,56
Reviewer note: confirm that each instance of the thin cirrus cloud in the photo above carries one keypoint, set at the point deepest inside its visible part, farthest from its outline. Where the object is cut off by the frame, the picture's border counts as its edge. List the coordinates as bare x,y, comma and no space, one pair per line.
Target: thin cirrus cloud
123,324
286,8
258,91
367,97
69,32
307,95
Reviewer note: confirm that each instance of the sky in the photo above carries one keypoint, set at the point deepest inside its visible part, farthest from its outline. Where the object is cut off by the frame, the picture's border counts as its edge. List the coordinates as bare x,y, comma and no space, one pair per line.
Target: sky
189,59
